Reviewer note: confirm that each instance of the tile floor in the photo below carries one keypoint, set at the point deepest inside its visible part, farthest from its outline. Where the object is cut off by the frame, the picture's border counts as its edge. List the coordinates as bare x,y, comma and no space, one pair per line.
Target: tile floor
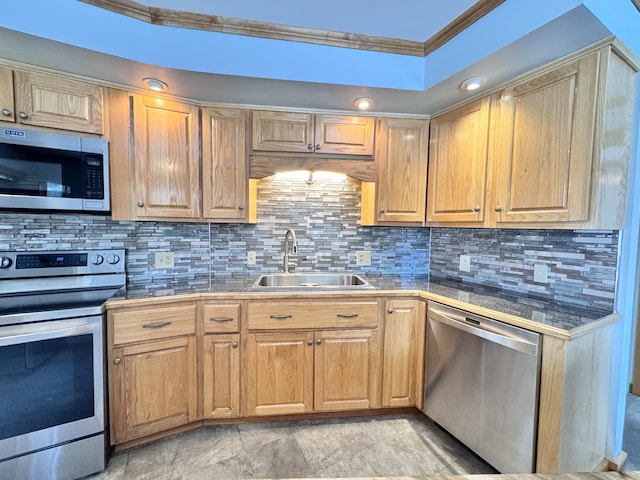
631,439
398,445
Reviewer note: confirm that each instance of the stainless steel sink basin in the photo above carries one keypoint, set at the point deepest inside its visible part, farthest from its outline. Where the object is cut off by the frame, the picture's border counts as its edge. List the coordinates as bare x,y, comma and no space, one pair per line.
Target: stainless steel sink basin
309,281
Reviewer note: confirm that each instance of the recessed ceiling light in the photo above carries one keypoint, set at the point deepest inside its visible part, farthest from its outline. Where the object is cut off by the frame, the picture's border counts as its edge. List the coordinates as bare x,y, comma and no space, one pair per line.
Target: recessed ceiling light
473,83
363,103
155,84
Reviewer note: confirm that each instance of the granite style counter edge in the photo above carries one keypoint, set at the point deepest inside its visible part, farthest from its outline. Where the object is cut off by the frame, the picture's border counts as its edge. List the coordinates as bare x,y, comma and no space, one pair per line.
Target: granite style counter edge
539,315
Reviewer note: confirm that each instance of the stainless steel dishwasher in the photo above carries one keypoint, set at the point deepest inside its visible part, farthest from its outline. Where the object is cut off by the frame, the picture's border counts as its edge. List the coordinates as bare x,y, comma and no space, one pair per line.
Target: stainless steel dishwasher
481,385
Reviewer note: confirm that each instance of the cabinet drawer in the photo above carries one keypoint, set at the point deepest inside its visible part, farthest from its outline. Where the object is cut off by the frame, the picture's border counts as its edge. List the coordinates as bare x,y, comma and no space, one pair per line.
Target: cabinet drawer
221,318
283,315
142,324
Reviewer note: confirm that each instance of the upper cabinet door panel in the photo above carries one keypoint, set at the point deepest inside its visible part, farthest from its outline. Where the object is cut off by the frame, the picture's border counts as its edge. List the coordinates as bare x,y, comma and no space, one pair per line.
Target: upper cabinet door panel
341,134
282,132
544,148
49,101
224,164
401,170
458,164
7,110
166,158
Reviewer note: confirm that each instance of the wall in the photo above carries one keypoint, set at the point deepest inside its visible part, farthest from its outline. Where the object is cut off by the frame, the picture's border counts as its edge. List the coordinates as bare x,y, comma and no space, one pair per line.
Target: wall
325,217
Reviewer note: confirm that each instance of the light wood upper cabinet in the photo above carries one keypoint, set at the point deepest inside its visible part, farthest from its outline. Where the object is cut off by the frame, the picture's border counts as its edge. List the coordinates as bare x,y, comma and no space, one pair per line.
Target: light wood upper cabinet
50,101
458,164
401,173
224,164
544,148
306,133
167,172
403,364
558,151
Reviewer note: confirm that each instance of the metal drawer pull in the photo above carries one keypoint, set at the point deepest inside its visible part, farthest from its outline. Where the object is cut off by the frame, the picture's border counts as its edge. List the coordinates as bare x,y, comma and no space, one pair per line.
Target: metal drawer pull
280,317
347,315
234,345
221,319
156,325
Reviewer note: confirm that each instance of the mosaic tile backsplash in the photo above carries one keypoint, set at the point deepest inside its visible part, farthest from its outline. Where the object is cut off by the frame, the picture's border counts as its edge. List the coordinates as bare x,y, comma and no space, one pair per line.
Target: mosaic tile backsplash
325,214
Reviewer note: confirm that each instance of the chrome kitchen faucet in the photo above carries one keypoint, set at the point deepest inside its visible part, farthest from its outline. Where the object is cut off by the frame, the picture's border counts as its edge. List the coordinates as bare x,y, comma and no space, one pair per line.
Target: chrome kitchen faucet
286,264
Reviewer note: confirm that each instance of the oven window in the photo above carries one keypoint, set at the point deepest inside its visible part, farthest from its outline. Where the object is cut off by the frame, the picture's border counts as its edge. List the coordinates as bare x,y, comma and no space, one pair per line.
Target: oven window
45,383
42,172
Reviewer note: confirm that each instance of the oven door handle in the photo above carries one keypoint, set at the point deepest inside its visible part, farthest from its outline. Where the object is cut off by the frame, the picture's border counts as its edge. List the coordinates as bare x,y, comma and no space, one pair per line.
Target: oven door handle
33,332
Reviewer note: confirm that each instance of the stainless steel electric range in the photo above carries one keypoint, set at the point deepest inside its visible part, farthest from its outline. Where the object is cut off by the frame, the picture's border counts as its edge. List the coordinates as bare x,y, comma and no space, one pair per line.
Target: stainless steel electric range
52,380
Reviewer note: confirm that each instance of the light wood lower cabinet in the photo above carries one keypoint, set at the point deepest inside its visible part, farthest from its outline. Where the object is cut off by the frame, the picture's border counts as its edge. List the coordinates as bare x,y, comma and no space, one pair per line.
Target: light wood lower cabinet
403,364
221,367
153,387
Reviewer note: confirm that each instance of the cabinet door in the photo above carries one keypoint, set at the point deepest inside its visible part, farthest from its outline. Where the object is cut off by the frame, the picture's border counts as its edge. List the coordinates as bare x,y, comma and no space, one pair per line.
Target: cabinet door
152,387
544,146
458,164
403,364
221,386
346,370
50,101
167,174
279,373
342,134
282,132
401,170
7,111
224,164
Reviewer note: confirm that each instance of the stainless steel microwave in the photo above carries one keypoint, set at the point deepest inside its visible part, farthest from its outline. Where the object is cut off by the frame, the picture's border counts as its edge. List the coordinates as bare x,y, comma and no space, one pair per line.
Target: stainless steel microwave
53,171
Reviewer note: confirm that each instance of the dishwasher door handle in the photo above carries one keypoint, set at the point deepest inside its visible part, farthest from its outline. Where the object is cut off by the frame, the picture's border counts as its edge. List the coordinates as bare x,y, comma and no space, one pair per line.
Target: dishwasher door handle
507,341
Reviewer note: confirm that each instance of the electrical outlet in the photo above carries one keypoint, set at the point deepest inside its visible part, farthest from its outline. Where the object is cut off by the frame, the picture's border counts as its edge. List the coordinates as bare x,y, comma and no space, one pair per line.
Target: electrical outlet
164,259
363,258
540,273
465,263
251,258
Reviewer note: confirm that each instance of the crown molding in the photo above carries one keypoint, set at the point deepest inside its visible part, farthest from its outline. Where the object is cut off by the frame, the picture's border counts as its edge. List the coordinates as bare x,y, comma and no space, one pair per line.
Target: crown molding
216,23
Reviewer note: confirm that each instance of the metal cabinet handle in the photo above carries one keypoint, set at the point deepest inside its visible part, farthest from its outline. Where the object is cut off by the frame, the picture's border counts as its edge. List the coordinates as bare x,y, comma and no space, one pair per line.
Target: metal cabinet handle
141,204
221,319
318,342
6,112
346,315
309,342
234,345
476,208
22,115
390,310
156,325
382,210
117,360
240,207
280,317
498,208
318,147
310,147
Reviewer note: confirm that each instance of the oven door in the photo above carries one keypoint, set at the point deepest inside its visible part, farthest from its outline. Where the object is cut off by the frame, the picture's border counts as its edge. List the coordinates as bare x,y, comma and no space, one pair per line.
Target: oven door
51,384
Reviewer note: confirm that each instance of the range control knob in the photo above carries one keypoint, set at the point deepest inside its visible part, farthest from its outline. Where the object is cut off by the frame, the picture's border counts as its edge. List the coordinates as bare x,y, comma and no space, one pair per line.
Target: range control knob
5,262
113,258
96,259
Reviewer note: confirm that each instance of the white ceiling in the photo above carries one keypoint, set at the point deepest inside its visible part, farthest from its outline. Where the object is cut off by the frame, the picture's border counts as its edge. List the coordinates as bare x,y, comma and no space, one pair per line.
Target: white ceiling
210,67
415,20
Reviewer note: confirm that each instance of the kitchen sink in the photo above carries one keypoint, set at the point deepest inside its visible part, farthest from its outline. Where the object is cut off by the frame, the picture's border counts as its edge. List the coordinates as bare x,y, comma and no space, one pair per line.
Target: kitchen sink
309,281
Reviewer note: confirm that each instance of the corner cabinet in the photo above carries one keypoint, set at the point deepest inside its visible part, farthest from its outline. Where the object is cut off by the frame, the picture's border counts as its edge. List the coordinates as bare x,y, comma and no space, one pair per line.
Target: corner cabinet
558,150
151,369
398,195
51,101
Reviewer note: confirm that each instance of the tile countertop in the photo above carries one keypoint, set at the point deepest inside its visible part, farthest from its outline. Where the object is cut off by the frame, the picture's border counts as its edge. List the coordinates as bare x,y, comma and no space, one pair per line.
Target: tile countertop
537,314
